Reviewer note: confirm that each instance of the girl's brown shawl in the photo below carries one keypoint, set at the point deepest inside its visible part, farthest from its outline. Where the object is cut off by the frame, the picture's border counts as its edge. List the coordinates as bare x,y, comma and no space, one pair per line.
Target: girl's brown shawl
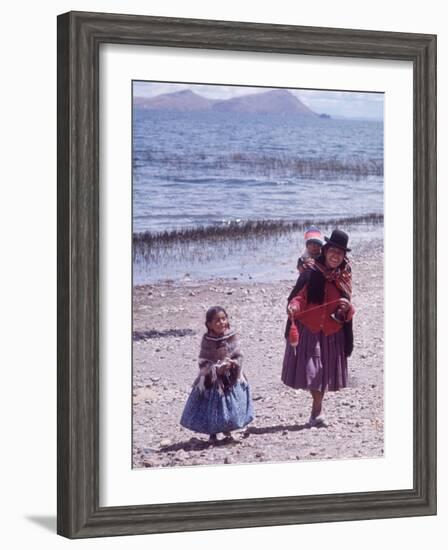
214,352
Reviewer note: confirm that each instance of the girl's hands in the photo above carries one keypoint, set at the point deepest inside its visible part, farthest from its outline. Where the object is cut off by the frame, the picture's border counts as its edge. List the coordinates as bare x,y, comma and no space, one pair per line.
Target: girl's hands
221,370
226,365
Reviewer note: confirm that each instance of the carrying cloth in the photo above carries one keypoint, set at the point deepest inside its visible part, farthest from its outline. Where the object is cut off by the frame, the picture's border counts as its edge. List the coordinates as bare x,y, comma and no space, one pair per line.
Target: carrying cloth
341,277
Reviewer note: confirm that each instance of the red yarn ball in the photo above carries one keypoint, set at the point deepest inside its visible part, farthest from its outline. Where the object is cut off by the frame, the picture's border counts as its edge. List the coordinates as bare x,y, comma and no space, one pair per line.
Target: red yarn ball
293,335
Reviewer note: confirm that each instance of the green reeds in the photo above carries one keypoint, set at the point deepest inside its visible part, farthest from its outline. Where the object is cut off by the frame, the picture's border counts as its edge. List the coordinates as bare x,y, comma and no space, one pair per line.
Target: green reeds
256,164
245,229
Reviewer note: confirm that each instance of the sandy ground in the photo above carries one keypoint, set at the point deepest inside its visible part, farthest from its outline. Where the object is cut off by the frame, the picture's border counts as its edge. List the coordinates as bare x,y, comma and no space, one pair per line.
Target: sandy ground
168,326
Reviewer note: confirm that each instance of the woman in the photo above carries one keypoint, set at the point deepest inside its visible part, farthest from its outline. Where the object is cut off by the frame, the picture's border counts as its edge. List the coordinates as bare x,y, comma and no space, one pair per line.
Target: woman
320,307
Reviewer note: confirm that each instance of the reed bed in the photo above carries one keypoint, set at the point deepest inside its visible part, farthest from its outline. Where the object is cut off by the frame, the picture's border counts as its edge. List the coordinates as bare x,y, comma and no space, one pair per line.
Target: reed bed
222,244
245,229
251,163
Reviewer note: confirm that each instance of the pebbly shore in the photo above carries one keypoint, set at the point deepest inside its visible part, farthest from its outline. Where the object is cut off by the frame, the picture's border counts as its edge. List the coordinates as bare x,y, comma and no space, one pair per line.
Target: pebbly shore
168,323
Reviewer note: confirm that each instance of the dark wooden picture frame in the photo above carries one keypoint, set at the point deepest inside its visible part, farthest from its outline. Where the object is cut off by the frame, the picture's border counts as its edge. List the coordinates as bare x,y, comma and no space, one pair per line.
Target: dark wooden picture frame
79,38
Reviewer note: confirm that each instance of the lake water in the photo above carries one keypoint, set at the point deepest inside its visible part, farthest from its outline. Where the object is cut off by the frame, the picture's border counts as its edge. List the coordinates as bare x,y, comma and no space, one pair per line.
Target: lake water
211,169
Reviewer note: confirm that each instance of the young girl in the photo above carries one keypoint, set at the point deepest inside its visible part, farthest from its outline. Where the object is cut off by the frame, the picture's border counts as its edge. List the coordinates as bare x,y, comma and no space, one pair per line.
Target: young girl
220,400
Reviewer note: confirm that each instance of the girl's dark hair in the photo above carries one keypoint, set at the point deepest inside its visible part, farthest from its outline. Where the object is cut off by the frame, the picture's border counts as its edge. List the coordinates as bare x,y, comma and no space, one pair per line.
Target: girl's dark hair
211,312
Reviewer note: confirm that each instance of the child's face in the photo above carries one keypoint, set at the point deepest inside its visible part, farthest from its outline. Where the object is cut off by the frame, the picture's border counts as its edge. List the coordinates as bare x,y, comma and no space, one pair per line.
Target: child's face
313,249
219,323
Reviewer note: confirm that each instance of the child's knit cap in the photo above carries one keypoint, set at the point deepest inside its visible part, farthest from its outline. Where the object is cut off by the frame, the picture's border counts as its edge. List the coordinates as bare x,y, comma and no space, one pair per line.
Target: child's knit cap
313,235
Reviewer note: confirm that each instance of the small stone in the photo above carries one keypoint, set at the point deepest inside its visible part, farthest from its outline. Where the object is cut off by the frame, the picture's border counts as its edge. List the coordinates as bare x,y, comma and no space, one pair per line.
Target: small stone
145,395
165,442
228,460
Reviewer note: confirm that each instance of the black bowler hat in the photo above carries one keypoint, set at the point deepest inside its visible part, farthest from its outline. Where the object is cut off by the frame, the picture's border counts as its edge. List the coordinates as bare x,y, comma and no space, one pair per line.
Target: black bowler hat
338,239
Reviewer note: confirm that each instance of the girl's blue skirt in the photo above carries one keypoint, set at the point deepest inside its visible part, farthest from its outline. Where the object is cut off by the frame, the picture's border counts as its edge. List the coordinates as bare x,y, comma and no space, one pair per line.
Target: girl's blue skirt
210,411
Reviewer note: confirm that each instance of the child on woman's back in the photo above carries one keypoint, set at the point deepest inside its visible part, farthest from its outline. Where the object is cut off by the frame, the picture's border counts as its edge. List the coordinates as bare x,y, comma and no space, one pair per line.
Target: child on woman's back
313,245
220,400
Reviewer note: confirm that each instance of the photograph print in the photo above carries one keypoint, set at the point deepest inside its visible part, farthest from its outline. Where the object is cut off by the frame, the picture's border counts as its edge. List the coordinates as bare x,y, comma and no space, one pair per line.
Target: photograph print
258,330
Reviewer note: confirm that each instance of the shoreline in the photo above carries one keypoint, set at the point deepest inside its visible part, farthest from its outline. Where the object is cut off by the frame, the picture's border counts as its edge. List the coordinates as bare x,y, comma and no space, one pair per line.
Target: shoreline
172,313
246,228
262,257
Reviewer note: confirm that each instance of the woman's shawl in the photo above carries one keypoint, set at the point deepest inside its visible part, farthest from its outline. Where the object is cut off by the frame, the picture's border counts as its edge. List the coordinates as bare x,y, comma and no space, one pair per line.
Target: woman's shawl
342,280
341,277
214,352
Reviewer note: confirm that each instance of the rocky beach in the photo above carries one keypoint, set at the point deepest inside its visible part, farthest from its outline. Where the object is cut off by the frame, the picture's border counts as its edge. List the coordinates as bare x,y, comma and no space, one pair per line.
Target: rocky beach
168,323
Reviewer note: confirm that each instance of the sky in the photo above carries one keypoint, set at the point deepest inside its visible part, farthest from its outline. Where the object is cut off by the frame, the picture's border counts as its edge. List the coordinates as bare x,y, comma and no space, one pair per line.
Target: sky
344,104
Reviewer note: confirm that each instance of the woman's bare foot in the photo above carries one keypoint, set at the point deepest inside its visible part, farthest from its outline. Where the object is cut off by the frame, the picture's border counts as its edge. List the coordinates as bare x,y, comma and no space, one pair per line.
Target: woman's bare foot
318,421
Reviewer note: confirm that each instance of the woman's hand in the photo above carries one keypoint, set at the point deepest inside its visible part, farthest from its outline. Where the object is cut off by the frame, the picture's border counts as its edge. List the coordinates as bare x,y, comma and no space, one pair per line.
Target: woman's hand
344,305
292,309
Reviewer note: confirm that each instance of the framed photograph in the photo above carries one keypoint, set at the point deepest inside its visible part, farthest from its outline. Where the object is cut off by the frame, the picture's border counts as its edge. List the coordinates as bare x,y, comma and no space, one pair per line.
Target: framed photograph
246,274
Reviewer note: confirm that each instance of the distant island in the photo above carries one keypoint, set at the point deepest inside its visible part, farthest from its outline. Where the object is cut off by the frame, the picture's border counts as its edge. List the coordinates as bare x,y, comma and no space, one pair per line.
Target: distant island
270,102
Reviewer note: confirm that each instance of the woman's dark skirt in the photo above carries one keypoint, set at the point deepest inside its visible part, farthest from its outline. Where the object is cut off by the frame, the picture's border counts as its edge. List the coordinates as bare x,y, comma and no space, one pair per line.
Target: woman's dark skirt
319,362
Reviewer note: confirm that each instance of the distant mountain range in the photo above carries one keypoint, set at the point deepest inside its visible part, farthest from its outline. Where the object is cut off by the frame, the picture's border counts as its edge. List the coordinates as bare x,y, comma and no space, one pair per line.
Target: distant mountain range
272,101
